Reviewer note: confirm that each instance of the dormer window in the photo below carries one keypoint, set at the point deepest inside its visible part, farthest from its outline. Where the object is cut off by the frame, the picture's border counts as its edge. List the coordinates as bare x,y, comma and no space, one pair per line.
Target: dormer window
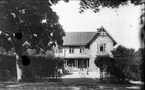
71,50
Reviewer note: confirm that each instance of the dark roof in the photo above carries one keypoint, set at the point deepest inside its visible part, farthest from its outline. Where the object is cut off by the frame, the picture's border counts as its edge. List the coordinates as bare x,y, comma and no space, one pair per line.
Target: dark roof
78,38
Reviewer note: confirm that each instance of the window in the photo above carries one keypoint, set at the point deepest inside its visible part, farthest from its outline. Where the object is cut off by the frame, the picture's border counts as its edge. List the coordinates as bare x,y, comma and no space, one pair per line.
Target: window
103,33
101,47
71,50
82,50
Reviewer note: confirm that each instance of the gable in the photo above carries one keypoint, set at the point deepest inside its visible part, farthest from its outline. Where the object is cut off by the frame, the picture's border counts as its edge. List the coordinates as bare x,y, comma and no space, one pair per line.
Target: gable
102,32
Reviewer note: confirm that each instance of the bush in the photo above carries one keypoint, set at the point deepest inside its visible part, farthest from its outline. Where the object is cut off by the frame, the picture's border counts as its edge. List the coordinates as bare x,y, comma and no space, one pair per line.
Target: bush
129,61
66,72
110,67
117,72
60,62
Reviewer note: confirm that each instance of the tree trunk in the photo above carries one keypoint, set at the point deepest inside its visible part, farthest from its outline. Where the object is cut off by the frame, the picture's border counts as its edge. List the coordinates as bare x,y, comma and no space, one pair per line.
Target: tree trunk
17,44
19,68
101,73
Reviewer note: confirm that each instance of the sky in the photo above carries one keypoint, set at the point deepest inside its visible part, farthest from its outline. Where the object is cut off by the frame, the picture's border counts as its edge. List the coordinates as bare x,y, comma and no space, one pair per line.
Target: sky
122,23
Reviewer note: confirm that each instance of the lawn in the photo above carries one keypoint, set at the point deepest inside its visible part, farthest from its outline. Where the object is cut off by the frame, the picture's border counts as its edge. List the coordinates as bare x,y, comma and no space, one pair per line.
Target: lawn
68,84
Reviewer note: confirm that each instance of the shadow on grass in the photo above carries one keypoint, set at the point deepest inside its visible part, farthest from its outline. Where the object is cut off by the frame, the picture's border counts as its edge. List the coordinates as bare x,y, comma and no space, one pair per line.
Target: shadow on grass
83,83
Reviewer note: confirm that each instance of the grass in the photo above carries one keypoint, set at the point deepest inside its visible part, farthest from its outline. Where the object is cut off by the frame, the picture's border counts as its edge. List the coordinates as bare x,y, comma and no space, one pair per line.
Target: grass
66,84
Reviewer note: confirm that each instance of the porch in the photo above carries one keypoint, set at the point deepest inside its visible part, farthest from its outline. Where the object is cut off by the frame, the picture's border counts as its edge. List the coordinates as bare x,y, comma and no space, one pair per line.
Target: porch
74,65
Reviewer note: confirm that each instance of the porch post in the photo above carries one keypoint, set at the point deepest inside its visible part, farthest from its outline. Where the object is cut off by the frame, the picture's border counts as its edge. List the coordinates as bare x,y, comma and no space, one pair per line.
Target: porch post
86,63
66,62
77,64
74,63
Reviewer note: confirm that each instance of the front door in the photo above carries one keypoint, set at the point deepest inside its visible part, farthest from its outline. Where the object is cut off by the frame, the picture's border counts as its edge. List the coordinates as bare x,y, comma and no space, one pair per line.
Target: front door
83,63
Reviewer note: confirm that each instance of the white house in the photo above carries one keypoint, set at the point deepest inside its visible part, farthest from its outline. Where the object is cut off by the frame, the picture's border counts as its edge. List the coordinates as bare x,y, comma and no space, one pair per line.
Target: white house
81,48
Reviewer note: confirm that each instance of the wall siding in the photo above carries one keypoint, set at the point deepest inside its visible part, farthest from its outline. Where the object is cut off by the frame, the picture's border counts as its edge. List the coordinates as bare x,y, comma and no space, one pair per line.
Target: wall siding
93,49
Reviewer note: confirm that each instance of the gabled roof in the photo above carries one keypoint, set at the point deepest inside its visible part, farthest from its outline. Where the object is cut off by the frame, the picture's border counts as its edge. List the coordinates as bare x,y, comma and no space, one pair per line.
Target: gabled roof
82,38
77,38
98,33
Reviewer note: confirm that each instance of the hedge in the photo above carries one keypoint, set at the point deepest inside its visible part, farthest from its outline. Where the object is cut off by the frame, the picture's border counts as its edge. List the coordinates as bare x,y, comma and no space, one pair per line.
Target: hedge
38,66
117,70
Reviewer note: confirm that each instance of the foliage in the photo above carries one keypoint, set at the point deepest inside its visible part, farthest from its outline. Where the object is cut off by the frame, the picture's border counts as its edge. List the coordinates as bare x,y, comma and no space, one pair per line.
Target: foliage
26,16
31,52
141,52
126,64
39,66
2,50
49,53
110,67
60,63
95,4
65,72
7,67
128,61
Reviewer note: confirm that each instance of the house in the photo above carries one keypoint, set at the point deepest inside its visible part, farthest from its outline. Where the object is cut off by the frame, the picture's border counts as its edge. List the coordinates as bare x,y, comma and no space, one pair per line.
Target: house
80,49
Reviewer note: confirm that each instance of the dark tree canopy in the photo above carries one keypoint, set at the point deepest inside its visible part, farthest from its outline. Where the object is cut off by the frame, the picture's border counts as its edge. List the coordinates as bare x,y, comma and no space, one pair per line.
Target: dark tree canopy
123,51
126,63
127,56
26,16
129,61
95,4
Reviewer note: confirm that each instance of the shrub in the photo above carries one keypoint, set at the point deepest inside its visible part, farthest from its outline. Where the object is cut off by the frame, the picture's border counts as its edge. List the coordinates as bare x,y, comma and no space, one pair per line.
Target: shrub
60,62
110,67
129,61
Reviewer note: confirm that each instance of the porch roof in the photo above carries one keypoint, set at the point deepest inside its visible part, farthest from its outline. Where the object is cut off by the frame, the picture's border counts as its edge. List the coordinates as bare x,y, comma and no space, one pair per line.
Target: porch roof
76,57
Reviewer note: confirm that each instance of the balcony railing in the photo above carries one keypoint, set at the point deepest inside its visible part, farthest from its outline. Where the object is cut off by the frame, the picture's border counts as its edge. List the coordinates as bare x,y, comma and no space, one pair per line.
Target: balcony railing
101,53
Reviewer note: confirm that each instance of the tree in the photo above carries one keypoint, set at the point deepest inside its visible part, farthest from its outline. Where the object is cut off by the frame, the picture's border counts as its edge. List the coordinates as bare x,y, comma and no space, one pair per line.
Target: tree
109,66
141,52
125,64
128,61
30,23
